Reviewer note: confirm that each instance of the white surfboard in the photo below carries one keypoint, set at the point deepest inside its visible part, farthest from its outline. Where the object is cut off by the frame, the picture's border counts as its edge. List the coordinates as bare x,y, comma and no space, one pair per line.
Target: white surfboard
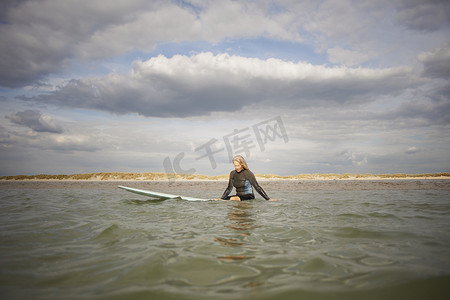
160,196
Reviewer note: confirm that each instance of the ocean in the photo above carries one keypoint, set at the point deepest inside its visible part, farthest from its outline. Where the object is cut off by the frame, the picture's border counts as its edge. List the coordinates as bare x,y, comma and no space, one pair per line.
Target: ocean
321,240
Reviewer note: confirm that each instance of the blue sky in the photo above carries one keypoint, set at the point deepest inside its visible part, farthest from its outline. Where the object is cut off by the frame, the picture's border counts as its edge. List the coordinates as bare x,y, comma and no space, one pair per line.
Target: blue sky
156,86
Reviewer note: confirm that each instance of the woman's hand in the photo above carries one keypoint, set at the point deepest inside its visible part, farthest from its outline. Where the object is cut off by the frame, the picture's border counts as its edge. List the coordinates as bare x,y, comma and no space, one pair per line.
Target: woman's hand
273,199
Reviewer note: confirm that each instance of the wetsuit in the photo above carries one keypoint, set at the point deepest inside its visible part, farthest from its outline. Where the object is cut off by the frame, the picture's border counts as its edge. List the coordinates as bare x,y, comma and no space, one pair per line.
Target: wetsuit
243,182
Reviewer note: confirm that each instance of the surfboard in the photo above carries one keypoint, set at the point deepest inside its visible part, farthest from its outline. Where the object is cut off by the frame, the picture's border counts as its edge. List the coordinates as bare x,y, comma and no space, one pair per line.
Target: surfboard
158,195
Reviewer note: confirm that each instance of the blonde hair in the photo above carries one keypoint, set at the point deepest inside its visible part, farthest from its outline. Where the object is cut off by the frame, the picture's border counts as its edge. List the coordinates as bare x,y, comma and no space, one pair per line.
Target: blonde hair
241,161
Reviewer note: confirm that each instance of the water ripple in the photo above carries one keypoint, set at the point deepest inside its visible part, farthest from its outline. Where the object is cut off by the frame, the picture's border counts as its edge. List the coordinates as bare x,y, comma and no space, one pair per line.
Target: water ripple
108,244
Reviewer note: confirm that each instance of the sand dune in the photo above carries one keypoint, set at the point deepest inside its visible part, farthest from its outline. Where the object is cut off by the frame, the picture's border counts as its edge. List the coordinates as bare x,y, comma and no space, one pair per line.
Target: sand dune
152,176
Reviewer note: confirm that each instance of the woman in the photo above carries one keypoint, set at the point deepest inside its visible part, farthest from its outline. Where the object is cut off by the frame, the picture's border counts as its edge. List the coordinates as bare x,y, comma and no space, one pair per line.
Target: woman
243,180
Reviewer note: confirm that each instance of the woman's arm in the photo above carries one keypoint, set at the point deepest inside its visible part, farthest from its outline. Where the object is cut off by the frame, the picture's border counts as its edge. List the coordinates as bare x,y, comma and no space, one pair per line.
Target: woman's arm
229,187
251,177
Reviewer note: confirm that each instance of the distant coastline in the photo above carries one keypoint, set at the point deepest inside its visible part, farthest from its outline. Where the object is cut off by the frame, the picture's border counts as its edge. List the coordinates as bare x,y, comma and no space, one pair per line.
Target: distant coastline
154,176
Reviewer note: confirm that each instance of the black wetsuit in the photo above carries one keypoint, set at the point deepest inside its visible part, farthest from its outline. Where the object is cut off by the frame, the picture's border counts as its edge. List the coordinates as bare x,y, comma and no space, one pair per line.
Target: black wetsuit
243,182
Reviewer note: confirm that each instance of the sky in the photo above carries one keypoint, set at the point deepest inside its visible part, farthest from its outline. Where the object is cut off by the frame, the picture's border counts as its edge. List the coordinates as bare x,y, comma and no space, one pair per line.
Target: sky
296,87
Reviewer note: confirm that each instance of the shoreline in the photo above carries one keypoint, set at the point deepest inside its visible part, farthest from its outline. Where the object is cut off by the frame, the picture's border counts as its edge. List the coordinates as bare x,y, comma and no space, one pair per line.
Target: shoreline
163,177
262,179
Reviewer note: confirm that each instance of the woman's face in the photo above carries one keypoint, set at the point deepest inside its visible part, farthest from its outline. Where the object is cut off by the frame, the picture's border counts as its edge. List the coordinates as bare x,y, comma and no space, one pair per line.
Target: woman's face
237,166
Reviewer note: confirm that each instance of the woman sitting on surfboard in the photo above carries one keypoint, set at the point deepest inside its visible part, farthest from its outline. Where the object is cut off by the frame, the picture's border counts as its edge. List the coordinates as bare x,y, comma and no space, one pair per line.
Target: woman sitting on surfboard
243,180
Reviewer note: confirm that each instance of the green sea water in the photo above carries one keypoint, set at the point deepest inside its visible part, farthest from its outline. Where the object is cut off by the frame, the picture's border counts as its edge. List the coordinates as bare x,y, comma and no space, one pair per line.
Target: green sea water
105,243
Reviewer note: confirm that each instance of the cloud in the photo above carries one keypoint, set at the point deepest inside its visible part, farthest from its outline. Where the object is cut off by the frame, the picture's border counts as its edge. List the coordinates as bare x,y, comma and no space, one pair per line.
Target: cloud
46,135
184,86
136,33
36,121
355,158
436,63
338,19
412,150
40,38
366,31
347,57
424,16
67,143
236,19
355,83
43,37
433,112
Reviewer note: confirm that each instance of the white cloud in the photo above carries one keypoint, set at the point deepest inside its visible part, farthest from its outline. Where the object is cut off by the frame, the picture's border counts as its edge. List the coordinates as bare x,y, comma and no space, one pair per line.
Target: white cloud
203,83
356,158
412,150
